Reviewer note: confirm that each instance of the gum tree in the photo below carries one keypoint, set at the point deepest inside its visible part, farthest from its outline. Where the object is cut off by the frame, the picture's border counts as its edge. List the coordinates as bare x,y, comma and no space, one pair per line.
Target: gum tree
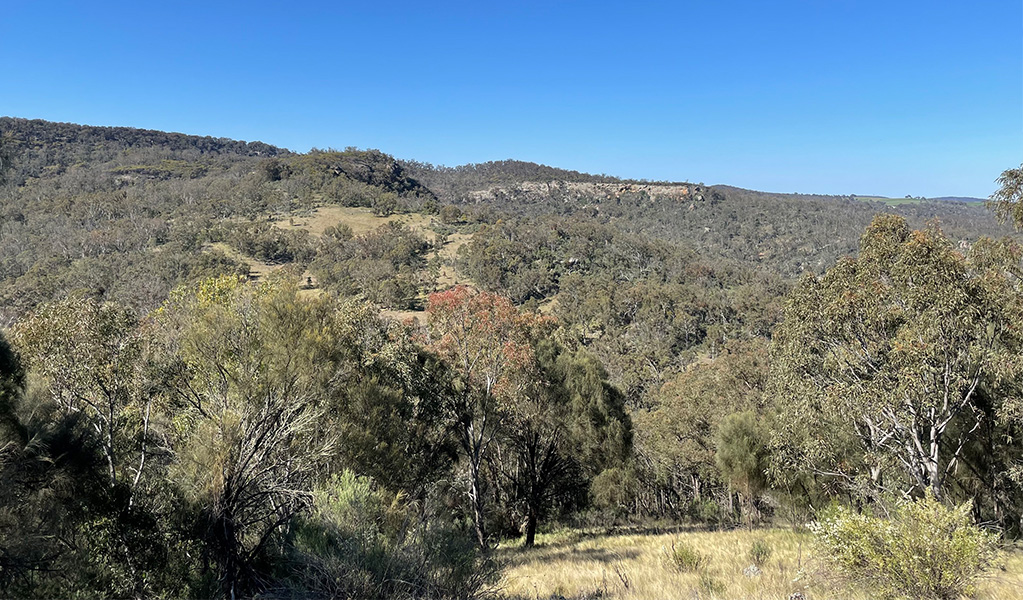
894,358
490,346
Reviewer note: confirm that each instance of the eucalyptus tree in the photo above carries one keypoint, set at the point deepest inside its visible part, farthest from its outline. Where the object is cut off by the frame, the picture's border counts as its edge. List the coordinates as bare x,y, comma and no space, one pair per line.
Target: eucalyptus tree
490,347
1007,201
98,363
890,364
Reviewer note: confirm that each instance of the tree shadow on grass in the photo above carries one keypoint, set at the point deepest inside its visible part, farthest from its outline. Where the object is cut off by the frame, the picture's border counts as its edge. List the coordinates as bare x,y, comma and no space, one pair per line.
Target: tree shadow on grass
563,552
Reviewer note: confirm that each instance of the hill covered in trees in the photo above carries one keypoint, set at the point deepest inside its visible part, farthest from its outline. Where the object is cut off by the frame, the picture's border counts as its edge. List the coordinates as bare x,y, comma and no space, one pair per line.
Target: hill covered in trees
231,369
785,233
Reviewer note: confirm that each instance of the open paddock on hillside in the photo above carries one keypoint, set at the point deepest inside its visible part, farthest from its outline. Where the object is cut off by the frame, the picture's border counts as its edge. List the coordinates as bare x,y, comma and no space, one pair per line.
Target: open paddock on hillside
361,220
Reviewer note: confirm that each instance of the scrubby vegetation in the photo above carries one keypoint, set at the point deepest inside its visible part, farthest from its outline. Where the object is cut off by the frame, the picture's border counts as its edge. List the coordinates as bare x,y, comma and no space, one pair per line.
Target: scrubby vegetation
924,549
202,395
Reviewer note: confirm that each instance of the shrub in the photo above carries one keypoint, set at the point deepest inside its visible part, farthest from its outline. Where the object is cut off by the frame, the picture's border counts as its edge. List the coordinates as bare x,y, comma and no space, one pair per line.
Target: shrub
685,558
759,553
925,550
710,586
270,244
361,541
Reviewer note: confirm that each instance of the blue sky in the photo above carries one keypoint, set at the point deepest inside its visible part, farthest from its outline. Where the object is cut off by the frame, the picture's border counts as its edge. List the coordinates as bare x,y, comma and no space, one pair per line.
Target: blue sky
824,96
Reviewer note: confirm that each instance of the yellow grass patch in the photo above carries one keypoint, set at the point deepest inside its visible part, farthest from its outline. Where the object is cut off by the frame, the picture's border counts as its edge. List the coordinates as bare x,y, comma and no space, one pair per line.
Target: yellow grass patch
636,567
361,220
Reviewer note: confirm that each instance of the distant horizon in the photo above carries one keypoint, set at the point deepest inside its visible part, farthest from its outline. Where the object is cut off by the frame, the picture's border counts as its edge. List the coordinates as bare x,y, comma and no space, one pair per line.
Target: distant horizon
901,98
442,166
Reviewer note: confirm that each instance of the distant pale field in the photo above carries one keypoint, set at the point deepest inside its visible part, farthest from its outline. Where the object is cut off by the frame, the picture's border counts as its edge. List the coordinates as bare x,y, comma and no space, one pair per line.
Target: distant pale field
361,221
634,567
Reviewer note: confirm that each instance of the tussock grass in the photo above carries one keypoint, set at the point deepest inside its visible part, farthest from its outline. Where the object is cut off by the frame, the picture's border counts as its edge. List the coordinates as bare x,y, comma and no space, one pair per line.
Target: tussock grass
578,565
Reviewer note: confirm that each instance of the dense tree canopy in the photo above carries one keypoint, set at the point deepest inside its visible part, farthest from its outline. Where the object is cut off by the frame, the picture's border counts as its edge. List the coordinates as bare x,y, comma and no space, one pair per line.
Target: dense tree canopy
892,364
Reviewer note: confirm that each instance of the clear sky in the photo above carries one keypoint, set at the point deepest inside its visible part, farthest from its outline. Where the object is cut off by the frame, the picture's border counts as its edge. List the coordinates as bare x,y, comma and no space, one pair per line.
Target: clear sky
824,96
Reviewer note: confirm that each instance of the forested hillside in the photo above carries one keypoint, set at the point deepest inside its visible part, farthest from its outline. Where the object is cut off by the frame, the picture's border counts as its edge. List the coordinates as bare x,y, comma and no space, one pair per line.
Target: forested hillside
784,233
229,369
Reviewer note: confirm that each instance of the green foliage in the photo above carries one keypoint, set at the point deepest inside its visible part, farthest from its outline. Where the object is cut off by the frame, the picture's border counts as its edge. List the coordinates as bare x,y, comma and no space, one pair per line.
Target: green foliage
369,167
256,372
887,365
1007,201
613,491
786,233
387,265
5,159
759,553
925,550
710,585
100,366
85,509
677,435
742,455
685,558
599,424
360,541
271,244
166,169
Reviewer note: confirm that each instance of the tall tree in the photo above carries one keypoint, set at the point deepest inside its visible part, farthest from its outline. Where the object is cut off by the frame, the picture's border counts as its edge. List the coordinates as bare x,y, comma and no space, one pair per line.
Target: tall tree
742,458
677,443
98,363
1007,201
898,352
490,346
567,427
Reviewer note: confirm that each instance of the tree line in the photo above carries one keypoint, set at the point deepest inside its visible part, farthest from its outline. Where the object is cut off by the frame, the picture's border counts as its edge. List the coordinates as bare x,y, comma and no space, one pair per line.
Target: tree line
172,428
241,439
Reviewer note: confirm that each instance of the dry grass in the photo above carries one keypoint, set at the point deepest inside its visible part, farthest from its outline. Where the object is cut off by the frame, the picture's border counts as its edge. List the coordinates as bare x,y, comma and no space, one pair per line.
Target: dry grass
633,567
257,269
361,220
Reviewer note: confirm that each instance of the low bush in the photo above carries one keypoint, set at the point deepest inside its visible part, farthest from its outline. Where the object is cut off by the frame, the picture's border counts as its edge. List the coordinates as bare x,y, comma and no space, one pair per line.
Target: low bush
925,550
759,553
361,541
685,558
710,587
271,244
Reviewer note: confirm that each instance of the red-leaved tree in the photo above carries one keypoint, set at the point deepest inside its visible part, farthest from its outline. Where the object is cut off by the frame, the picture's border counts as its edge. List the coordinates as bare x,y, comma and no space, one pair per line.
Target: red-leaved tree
490,345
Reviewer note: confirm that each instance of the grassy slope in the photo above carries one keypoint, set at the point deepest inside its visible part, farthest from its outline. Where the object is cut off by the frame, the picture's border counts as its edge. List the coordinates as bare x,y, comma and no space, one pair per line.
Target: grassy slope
361,221
633,567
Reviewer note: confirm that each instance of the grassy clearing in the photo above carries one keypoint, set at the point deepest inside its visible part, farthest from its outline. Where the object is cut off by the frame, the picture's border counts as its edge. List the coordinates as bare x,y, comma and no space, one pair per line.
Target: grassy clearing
361,220
634,567
890,201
